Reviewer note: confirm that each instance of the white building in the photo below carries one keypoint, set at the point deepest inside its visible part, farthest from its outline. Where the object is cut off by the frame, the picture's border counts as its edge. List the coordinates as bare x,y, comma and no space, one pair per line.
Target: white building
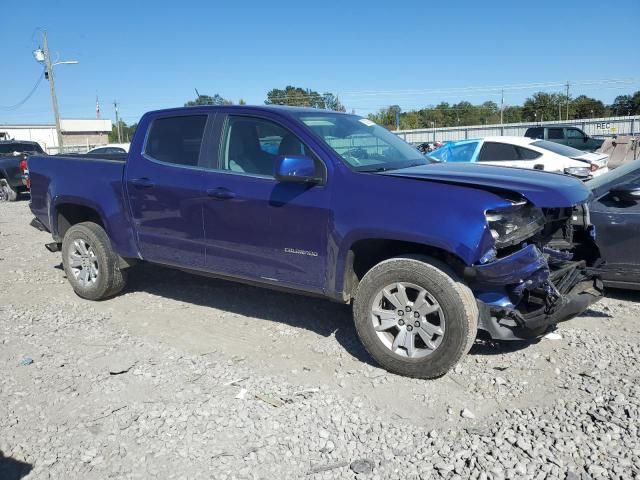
77,135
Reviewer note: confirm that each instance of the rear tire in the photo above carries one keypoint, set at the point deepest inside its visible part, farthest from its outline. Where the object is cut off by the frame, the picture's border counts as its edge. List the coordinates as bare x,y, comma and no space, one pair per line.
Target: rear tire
414,316
7,193
90,262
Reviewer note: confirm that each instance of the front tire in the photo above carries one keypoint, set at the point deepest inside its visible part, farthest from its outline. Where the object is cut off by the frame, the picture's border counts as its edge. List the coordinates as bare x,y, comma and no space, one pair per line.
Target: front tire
90,262
414,316
7,193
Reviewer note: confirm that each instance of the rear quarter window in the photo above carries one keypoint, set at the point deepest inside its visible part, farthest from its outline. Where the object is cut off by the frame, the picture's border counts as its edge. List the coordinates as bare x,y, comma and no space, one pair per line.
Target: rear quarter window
527,154
534,132
176,140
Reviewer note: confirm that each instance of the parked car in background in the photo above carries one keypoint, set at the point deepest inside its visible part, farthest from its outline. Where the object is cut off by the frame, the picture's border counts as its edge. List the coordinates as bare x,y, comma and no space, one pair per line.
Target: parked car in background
615,213
344,209
13,165
524,152
565,135
110,149
427,147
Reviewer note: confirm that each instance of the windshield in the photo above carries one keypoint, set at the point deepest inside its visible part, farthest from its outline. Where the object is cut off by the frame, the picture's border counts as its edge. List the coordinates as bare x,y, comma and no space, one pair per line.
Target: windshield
455,152
558,148
19,147
361,143
613,175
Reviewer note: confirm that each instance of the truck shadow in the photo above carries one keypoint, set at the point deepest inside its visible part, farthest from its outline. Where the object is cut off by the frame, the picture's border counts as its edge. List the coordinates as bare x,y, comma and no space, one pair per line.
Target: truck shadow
12,469
314,314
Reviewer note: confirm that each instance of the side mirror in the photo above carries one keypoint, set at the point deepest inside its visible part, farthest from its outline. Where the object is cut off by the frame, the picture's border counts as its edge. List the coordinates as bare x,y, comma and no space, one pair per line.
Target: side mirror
626,193
296,169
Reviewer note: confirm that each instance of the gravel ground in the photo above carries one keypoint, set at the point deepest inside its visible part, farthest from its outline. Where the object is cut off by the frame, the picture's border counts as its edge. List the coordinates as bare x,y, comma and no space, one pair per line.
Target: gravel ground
187,377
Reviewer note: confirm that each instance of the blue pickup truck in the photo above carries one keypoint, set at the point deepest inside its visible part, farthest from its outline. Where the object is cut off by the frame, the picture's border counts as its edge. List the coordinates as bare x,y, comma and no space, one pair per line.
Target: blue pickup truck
332,205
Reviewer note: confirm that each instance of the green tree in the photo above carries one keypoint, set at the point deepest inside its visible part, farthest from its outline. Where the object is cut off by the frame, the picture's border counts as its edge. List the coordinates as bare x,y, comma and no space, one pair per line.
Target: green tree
636,102
587,107
512,114
544,106
294,96
386,117
623,105
410,120
332,102
208,100
241,102
303,97
126,130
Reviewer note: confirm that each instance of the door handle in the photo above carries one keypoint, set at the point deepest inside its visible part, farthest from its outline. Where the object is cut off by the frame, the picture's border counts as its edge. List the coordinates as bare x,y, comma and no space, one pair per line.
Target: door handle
538,166
142,182
221,193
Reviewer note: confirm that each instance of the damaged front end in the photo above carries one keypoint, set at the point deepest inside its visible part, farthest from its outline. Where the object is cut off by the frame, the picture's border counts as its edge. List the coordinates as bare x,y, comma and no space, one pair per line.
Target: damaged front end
539,273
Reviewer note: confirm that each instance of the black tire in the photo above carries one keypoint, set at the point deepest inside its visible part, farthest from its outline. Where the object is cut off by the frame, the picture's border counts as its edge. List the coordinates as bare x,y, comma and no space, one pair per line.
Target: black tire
7,193
456,300
110,279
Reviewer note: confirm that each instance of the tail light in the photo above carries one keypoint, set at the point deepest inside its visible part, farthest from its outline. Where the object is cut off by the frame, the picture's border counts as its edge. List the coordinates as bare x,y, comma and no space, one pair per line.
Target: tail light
24,168
594,167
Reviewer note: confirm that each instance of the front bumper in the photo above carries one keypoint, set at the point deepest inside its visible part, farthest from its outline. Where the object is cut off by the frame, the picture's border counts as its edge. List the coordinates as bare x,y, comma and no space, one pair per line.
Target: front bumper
520,296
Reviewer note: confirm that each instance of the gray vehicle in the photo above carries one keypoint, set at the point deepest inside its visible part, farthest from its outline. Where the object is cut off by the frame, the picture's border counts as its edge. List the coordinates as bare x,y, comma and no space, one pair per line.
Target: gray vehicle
566,135
13,156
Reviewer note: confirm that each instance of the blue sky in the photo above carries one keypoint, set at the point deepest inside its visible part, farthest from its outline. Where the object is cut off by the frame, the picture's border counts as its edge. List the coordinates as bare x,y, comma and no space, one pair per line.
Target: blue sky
152,54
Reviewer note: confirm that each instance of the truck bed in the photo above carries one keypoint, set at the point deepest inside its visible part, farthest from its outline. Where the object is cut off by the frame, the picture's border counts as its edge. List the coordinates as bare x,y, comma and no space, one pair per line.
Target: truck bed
92,181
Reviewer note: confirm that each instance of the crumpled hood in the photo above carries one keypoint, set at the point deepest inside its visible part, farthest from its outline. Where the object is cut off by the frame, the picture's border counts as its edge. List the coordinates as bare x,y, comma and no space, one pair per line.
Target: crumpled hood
543,189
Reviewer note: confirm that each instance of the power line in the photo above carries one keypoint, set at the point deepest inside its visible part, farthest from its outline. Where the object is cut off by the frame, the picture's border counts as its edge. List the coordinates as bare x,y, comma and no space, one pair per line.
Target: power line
29,95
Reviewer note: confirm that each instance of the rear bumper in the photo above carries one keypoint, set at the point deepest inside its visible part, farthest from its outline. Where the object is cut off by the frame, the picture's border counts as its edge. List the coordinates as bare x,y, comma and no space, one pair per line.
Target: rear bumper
522,295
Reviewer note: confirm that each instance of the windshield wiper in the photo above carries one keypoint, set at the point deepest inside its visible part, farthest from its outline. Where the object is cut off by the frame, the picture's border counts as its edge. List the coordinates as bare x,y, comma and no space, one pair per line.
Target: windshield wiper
379,169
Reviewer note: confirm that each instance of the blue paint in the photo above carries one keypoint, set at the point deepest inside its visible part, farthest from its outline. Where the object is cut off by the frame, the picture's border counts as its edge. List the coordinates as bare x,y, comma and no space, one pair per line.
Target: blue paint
296,235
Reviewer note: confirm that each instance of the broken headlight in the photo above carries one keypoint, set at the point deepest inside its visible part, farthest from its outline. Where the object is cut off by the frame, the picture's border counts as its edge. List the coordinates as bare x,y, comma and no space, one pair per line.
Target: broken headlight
512,225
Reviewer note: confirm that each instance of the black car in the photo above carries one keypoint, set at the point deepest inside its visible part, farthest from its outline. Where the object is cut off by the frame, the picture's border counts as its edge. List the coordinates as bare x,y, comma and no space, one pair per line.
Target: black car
13,156
615,213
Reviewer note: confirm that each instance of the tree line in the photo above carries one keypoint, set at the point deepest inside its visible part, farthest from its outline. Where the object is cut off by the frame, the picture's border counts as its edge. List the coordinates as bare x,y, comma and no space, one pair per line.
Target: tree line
539,107
290,95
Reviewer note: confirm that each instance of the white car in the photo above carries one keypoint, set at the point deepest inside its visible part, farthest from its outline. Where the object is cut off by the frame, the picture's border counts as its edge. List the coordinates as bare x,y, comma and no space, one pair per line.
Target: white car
111,149
525,152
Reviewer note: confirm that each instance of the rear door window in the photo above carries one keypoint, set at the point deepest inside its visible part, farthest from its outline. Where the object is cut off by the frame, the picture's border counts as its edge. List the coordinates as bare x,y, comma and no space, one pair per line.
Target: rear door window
176,140
555,134
495,151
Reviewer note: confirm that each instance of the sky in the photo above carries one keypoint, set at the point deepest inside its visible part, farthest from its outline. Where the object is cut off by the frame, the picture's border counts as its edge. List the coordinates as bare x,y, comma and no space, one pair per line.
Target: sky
148,55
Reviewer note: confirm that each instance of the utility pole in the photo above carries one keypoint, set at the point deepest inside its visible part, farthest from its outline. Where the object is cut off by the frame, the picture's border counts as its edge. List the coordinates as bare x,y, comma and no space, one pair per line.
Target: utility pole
52,88
567,100
501,106
115,104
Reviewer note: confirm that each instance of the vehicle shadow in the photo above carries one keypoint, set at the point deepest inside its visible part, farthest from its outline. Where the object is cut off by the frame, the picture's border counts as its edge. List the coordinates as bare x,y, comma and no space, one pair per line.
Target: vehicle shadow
485,346
314,314
12,469
618,294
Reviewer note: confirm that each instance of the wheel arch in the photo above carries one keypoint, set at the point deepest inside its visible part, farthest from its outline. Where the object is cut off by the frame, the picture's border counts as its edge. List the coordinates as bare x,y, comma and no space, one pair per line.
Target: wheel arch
65,214
364,253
